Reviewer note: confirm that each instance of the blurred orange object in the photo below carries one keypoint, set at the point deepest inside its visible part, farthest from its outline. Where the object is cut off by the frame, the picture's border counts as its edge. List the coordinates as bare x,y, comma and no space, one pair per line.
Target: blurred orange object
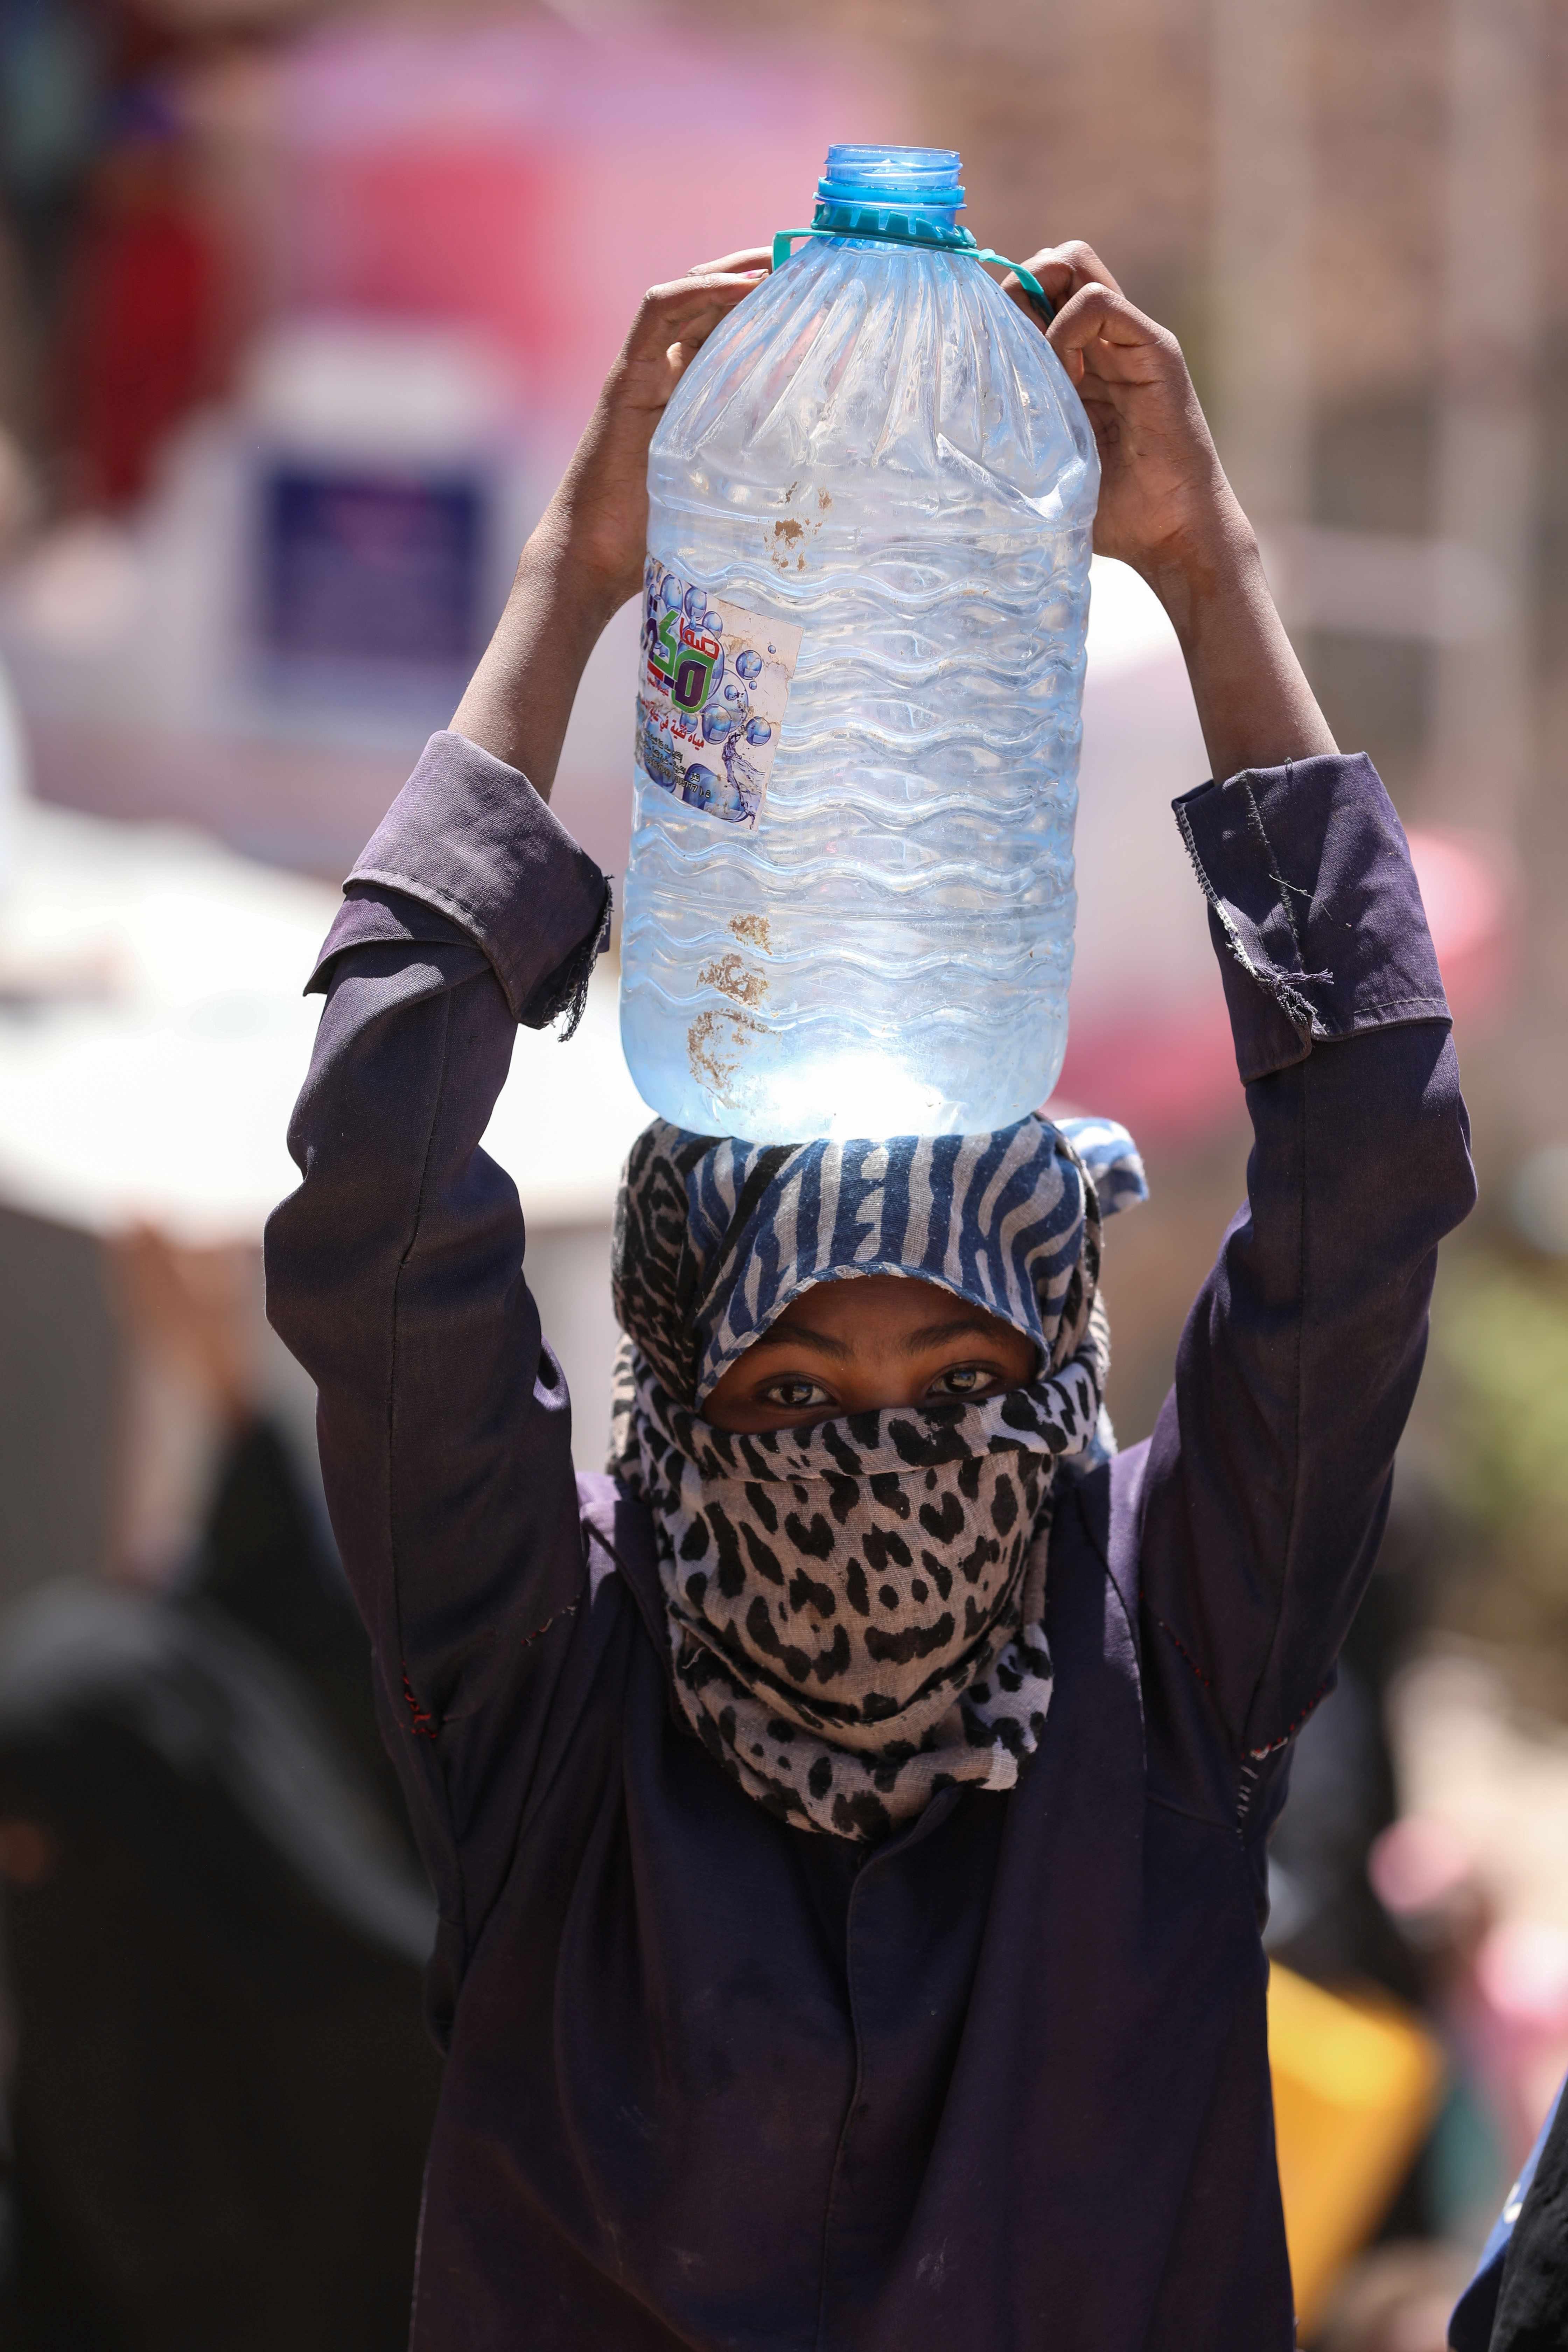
1356,2083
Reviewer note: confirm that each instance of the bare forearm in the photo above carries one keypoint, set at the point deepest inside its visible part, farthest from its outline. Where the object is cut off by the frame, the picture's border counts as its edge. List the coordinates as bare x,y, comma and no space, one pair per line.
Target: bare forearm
520,697
1254,704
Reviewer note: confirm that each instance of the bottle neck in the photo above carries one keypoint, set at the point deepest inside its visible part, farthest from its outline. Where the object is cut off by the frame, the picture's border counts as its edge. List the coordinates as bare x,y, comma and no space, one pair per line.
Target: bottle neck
918,186
891,223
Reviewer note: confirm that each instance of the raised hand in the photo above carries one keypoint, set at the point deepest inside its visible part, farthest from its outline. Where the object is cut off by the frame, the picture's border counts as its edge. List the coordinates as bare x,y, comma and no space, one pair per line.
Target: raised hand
585,557
1163,494
602,503
1166,509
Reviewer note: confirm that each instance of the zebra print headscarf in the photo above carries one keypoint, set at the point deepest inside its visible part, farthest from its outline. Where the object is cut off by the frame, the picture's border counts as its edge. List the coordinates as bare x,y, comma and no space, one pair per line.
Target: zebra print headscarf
855,1608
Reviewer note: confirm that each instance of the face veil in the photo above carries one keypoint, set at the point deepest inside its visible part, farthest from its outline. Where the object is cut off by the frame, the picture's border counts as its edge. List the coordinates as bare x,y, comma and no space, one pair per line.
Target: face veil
856,1610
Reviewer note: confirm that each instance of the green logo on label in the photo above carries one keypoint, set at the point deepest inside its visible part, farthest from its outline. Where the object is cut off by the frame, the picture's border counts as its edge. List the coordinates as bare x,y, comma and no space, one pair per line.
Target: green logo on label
693,668
684,661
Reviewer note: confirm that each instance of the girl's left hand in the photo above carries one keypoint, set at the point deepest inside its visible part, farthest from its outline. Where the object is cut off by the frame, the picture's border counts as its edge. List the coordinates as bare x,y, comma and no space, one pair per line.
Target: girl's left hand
1164,504
1166,509
599,515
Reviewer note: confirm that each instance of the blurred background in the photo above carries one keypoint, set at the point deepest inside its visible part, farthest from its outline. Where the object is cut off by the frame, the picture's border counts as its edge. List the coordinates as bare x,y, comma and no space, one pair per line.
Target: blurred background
301,306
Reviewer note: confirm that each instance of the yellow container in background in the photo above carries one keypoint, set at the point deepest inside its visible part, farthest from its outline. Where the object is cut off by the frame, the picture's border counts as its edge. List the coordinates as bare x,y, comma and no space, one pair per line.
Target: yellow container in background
1357,2079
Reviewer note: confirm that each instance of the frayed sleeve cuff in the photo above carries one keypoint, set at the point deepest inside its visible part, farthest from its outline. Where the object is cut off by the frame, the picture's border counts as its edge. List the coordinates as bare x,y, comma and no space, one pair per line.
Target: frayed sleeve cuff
468,838
1314,907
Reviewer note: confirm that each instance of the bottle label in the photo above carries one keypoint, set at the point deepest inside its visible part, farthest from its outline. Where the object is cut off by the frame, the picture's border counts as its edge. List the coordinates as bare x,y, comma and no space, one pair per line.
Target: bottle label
710,702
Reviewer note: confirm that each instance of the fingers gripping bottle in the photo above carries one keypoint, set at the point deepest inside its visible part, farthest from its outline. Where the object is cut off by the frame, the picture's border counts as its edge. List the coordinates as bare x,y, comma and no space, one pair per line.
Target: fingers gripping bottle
849,907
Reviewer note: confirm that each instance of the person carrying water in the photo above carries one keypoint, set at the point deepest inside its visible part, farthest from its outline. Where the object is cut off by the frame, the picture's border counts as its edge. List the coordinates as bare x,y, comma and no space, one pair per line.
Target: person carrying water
847,1814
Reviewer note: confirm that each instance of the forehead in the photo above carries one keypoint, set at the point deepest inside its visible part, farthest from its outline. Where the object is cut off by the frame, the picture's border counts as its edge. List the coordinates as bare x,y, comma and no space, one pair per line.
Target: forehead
860,1305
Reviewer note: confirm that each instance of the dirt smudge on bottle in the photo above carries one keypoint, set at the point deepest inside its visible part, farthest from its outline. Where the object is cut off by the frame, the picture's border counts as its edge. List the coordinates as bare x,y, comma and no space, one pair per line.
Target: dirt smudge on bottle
733,977
716,1045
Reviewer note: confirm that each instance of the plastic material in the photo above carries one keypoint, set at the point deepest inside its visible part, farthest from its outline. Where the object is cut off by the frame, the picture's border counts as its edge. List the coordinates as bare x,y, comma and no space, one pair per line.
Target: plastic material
845,220
849,906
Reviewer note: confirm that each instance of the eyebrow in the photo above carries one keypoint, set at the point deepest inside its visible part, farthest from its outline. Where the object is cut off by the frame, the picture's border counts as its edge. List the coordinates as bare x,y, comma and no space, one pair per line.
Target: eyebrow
780,1335
930,1335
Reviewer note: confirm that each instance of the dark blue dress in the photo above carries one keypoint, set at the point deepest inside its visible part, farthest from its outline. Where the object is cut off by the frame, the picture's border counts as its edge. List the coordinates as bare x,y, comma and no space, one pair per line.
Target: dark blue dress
1000,2084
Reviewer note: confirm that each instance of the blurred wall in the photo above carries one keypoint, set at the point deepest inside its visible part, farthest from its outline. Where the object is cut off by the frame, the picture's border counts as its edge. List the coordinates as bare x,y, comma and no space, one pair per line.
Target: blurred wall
1297,191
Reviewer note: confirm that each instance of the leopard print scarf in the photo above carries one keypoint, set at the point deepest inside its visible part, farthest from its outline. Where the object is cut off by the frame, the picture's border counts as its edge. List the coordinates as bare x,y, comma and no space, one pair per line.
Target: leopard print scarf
854,1610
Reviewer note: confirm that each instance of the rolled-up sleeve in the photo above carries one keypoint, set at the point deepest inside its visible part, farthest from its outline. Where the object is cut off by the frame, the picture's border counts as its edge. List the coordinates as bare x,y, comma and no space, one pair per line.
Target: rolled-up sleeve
1314,907
469,841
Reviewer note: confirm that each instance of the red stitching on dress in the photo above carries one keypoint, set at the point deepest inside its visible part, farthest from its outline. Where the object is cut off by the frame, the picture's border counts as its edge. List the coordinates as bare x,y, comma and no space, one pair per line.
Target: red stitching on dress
570,1610
1258,1754
1185,1651
1248,1787
423,1722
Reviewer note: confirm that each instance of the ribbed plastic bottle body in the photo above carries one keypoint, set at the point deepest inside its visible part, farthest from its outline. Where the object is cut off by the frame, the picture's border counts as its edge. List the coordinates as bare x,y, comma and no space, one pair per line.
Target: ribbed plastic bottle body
879,451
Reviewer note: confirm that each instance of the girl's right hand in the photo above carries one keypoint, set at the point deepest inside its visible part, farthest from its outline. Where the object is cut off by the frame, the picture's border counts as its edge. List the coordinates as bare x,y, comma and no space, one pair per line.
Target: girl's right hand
598,517
585,556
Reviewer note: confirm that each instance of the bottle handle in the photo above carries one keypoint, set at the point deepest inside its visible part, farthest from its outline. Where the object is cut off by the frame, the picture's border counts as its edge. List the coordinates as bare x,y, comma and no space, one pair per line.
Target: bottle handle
783,244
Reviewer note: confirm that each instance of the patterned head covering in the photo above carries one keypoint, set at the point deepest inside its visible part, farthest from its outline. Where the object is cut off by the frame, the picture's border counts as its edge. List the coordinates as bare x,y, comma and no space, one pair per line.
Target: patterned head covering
855,1608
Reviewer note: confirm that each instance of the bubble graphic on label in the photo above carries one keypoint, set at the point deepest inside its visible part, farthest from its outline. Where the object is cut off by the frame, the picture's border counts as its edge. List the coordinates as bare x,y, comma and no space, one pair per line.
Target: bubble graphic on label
707,688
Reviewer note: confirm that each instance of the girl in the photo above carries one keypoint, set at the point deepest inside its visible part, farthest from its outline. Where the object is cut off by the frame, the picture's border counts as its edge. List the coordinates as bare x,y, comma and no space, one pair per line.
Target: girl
848,1814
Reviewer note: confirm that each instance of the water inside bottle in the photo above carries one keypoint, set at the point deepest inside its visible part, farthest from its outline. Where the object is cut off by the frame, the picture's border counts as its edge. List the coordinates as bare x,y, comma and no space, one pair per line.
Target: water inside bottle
849,905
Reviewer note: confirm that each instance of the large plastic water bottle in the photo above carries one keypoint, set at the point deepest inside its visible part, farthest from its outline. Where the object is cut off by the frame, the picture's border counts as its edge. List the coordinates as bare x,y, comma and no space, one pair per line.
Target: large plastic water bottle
849,907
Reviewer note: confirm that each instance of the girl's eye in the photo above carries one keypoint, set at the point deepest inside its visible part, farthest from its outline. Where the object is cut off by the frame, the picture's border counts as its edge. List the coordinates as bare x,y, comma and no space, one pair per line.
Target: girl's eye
795,1395
963,1381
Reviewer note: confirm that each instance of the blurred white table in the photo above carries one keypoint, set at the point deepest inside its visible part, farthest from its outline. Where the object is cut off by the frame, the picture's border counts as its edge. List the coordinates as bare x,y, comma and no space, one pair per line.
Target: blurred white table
153,1038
